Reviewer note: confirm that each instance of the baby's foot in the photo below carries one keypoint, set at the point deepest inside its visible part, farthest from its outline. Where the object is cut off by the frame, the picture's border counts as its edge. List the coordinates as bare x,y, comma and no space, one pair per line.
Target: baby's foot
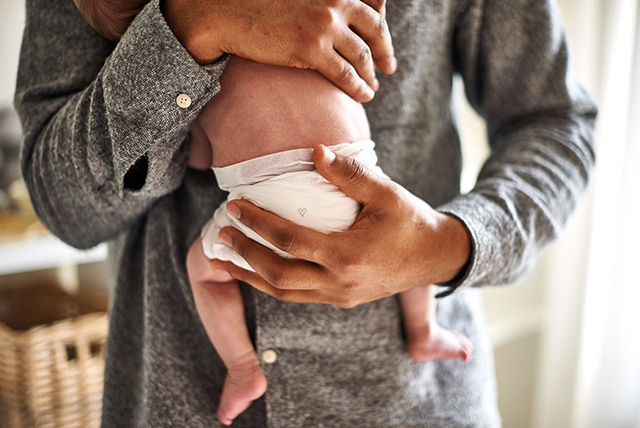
244,383
427,342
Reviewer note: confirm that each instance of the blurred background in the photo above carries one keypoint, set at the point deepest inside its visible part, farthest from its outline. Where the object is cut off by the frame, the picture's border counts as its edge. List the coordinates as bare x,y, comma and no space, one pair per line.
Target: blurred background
566,338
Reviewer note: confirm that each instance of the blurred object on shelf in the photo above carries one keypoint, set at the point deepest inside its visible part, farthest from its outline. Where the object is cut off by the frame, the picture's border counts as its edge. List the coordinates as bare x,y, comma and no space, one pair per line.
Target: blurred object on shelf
51,356
10,135
19,220
5,202
19,196
17,217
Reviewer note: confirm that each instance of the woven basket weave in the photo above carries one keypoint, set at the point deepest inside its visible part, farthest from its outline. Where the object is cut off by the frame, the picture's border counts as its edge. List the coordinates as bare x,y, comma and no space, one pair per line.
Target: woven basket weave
52,375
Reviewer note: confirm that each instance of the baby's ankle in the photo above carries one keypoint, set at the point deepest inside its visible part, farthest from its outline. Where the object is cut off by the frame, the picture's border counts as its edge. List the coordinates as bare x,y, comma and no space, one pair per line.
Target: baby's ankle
431,341
244,383
419,330
245,363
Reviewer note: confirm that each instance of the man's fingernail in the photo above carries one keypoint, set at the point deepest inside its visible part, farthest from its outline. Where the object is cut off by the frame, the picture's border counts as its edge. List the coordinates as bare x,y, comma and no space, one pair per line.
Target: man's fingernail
376,84
225,238
233,210
328,156
367,94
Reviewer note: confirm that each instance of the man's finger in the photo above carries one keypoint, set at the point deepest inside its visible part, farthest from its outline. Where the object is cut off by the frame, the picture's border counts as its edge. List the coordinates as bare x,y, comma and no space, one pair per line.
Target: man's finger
372,27
344,76
352,177
289,274
299,241
351,47
259,283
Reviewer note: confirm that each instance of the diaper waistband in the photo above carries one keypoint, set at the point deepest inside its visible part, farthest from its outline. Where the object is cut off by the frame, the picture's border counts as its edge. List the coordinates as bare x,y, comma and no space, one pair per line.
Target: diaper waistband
264,167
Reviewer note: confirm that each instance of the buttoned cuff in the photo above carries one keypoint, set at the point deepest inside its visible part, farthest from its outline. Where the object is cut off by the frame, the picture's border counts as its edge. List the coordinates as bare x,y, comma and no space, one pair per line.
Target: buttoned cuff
155,90
483,226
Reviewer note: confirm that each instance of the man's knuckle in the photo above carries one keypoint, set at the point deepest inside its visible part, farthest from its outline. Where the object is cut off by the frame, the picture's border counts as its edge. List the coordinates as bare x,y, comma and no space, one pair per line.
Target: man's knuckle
276,278
345,75
247,219
364,57
285,240
355,170
323,16
381,26
347,262
241,249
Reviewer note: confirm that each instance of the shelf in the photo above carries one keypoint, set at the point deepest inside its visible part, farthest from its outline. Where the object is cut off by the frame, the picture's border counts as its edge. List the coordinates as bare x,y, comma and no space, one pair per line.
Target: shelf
44,253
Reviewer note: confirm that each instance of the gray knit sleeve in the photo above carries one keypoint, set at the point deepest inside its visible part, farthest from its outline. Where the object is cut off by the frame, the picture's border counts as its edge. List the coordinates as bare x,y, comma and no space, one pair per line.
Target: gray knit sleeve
514,60
103,134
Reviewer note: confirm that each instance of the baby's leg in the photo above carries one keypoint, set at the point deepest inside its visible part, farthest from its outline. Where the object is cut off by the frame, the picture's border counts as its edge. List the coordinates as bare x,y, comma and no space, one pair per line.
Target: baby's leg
426,339
219,304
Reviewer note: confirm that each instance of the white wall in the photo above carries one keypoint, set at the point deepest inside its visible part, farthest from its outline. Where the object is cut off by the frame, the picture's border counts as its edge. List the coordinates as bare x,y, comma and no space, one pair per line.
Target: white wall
589,363
11,25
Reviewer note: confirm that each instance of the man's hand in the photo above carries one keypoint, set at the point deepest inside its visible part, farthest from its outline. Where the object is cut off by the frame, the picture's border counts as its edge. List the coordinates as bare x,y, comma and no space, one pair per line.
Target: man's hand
110,18
342,39
397,242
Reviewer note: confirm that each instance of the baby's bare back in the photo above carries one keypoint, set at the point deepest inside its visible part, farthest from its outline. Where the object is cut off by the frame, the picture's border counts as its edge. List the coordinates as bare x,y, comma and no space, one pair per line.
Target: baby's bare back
263,109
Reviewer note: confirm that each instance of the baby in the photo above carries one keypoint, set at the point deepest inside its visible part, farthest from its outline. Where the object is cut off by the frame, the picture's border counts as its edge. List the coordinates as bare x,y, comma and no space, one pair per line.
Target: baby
258,135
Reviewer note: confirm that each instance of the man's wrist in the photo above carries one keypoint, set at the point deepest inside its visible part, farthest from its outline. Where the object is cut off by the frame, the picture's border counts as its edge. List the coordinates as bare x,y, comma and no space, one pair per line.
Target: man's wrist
201,45
455,245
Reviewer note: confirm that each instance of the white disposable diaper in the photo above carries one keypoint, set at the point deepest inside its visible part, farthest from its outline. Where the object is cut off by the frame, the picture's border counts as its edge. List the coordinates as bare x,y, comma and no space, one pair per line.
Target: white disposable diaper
286,184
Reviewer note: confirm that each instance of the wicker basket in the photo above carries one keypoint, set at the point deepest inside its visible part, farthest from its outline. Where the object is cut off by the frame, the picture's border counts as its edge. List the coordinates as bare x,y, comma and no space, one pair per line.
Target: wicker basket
51,375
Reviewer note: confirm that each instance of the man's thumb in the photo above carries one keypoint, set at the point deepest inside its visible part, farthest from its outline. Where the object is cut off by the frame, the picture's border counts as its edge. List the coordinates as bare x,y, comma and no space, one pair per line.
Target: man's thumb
351,176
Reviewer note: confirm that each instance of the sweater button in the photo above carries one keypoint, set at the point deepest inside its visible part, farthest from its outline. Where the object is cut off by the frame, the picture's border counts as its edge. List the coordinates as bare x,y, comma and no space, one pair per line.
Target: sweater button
269,356
183,101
